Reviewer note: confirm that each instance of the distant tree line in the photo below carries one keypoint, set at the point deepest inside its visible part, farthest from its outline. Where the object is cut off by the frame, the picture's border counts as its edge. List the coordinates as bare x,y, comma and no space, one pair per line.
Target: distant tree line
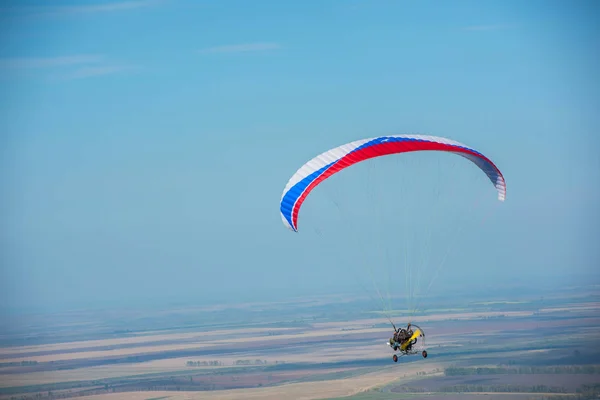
204,363
220,363
562,369
18,364
251,362
503,389
589,391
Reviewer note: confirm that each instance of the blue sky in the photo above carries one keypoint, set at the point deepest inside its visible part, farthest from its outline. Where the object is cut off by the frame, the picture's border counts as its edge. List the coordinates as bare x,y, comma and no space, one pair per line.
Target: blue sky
145,144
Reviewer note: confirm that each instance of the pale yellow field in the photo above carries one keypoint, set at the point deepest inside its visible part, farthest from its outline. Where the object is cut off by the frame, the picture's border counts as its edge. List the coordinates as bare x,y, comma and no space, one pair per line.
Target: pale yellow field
190,346
205,340
299,391
224,336
331,352
86,374
572,308
133,340
337,353
434,317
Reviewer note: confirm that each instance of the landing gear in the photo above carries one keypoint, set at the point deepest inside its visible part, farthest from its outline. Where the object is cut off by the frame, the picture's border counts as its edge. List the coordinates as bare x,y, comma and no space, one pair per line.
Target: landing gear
395,358
424,353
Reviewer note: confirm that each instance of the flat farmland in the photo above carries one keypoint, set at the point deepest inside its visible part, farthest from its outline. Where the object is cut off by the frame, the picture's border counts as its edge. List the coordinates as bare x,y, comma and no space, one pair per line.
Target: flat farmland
302,356
568,382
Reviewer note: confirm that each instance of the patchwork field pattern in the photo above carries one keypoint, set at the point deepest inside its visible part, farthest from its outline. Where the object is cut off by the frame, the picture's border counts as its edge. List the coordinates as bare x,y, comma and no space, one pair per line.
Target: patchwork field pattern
523,349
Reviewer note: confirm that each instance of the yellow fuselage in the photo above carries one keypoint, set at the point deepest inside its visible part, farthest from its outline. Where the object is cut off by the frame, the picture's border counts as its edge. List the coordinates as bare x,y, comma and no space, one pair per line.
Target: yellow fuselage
413,337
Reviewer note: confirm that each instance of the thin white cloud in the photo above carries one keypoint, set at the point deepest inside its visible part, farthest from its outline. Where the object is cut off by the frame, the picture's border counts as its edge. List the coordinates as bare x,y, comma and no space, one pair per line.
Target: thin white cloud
89,72
92,8
485,27
48,62
106,7
241,48
65,67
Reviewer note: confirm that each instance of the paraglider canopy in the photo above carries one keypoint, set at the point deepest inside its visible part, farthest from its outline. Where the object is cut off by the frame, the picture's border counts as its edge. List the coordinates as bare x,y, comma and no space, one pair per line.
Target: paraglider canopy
332,161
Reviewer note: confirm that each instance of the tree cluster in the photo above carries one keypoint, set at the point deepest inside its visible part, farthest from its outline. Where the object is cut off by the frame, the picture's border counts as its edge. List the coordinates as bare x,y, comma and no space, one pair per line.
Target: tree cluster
504,389
251,362
204,363
558,369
